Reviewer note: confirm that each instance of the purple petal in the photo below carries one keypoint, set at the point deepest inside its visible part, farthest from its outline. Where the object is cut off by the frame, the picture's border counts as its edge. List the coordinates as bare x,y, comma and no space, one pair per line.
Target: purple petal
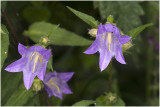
49,75
49,91
16,66
28,79
92,49
119,55
100,30
105,58
42,72
44,52
124,39
66,89
66,76
22,49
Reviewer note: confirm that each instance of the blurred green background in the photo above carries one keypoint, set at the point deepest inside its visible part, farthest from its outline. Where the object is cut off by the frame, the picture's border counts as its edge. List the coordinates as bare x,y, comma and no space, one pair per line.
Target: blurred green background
137,82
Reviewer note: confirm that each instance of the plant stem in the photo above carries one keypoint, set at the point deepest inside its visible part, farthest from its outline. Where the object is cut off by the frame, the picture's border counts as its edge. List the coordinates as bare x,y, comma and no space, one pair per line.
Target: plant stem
110,77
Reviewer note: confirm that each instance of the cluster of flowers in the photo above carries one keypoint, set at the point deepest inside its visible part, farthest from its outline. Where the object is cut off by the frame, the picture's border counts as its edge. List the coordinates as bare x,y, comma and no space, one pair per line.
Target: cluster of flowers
34,60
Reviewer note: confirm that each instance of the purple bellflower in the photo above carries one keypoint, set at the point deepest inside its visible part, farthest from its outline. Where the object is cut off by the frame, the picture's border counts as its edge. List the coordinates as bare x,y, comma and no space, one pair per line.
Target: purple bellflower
55,83
109,44
33,63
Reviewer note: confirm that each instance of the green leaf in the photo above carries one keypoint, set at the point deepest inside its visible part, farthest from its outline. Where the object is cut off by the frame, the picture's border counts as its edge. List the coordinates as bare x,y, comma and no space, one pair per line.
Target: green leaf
84,103
20,96
88,19
9,83
34,101
3,5
126,14
4,43
133,33
59,36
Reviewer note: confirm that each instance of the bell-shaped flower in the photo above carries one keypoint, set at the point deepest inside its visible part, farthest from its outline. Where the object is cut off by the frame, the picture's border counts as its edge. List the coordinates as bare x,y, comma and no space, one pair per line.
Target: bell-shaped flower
109,44
56,83
33,63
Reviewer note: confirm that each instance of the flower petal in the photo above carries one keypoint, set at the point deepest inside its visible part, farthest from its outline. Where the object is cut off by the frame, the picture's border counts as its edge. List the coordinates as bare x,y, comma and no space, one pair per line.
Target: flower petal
44,52
66,76
49,75
42,72
28,78
16,66
92,49
100,30
105,58
124,39
119,55
66,89
22,49
49,91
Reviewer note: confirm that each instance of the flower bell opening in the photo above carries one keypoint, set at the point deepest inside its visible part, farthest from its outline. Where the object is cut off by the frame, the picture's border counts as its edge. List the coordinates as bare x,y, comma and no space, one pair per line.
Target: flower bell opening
37,56
50,82
109,41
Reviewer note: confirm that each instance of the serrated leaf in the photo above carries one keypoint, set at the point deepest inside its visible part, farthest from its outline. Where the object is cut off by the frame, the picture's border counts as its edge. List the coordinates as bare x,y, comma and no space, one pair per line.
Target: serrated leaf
59,36
133,33
84,103
4,43
126,14
86,18
20,97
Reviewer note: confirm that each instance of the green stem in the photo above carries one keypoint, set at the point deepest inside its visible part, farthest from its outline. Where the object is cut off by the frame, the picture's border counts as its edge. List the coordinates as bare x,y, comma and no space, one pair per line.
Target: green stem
110,77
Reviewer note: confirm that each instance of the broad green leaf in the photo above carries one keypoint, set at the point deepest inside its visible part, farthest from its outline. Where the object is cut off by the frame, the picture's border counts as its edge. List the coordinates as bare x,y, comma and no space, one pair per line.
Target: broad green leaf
34,101
59,36
3,5
9,83
34,14
133,33
84,103
88,19
4,43
20,96
126,14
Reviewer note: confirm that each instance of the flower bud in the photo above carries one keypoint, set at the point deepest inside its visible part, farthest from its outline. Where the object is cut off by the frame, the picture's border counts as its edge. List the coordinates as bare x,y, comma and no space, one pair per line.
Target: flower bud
126,46
93,32
45,40
37,84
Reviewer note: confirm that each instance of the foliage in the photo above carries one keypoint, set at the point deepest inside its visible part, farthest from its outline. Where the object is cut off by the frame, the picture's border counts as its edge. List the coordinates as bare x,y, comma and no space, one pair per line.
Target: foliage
126,13
84,103
88,19
59,36
4,43
133,33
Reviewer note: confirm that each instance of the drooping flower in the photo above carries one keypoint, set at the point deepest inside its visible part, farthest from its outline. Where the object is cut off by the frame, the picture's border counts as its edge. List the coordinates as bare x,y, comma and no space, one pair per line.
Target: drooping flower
109,44
55,83
33,63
